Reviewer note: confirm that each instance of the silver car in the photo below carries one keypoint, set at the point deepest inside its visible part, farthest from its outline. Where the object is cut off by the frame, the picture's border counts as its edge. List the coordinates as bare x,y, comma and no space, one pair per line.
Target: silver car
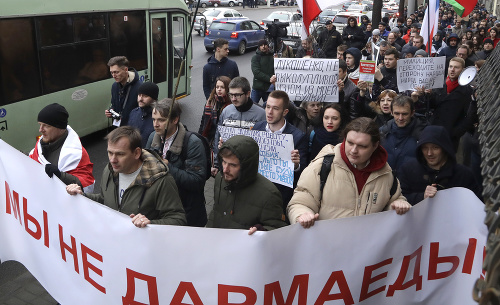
231,3
204,20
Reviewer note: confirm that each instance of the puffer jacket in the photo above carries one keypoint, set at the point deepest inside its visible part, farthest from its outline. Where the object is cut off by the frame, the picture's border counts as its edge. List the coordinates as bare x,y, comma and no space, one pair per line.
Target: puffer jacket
262,69
250,200
153,193
340,195
189,174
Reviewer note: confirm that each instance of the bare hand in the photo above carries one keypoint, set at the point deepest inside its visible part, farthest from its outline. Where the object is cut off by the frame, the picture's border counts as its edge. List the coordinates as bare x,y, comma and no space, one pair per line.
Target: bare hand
139,220
378,74
296,158
340,84
214,171
272,80
107,113
362,85
220,142
400,206
307,219
252,230
74,189
430,191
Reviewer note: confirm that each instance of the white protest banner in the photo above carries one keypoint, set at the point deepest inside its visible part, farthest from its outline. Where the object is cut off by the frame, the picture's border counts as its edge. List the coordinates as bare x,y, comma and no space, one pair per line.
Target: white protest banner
367,71
308,79
85,253
421,71
275,158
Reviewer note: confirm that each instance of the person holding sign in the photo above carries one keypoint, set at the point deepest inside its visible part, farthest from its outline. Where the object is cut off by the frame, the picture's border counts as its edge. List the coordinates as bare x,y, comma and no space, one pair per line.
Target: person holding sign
386,77
276,110
352,58
243,198
359,180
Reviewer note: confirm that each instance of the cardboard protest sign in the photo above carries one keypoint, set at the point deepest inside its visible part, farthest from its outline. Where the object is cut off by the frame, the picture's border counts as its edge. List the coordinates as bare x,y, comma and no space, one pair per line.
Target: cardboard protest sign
308,79
367,71
421,71
275,159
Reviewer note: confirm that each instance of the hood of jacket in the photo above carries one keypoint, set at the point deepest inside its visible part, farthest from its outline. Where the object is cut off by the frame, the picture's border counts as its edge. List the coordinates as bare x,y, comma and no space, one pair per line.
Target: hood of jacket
212,60
452,35
247,152
436,135
356,53
152,169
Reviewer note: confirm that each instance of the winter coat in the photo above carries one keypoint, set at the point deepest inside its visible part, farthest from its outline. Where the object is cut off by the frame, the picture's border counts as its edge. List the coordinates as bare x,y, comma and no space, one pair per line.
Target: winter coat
142,119
329,41
129,92
450,51
214,68
299,143
189,174
153,193
210,117
450,110
357,39
262,69
416,175
390,81
251,199
400,143
340,194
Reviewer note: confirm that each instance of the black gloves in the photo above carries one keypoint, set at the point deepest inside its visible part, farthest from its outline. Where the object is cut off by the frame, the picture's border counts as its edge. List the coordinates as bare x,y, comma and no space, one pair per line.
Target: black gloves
52,170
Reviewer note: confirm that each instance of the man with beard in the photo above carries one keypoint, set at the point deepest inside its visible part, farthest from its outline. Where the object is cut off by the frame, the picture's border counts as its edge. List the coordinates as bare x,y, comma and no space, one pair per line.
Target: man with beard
451,49
487,49
243,198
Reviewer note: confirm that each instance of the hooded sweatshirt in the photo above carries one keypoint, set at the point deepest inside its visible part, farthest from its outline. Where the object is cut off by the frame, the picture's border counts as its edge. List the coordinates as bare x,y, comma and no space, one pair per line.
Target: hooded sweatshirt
416,175
249,200
353,73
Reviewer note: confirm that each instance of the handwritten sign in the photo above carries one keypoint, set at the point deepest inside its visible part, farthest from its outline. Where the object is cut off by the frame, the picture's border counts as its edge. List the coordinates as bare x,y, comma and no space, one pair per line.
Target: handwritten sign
308,79
275,159
367,71
421,71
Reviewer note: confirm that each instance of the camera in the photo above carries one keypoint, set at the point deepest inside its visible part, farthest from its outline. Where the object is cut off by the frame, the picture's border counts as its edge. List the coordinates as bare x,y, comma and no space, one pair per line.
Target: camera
115,115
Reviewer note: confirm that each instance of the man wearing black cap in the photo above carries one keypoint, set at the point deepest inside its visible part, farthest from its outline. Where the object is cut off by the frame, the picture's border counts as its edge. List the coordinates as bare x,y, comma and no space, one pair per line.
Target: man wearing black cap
140,117
329,40
487,49
60,150
263,70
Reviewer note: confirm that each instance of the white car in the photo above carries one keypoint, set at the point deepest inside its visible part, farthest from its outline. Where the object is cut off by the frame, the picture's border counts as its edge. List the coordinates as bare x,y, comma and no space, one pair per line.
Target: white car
359,8
204,20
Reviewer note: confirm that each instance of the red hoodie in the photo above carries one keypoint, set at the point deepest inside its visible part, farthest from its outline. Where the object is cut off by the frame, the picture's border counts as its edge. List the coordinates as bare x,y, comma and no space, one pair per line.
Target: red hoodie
377,161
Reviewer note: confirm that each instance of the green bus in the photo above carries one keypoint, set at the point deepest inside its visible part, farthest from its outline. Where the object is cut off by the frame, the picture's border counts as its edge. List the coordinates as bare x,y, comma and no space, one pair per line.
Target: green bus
57,52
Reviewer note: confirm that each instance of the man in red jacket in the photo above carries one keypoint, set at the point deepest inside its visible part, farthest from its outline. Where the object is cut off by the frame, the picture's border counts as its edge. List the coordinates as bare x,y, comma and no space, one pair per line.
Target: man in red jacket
59,149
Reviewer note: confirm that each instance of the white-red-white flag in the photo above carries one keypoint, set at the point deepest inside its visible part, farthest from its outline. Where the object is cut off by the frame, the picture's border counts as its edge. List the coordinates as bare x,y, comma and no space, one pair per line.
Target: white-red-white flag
311,9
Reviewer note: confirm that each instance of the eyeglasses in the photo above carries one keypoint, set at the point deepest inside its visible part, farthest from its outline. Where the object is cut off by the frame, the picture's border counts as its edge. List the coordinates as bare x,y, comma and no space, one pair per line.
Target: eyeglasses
114,72
236,95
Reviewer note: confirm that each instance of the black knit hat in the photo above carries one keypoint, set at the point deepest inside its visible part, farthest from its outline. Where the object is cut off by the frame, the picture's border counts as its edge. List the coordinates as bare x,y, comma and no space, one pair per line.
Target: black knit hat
54,115
150,89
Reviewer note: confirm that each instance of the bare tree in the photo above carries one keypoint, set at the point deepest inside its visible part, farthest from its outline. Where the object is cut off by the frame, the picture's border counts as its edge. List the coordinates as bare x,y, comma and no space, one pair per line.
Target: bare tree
377,13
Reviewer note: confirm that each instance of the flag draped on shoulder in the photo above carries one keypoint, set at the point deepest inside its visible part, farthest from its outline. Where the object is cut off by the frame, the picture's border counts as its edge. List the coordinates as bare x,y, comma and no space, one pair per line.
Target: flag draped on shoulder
430,24
311,9
462,7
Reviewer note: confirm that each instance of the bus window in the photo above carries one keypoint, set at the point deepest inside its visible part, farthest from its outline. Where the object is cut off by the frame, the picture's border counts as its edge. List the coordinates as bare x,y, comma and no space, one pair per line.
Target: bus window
179,48
90,27
159,37
19,76
128,37
55,30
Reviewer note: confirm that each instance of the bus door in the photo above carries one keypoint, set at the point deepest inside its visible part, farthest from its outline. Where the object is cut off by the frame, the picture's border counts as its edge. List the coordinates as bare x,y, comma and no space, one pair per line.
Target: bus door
168,44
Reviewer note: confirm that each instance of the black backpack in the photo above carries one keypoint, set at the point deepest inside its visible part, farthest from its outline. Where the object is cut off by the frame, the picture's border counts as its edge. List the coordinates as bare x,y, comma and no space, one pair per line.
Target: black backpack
206,146
326,166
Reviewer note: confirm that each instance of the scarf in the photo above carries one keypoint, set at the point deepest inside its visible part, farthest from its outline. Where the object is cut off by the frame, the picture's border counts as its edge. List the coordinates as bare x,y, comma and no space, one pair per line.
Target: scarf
451,85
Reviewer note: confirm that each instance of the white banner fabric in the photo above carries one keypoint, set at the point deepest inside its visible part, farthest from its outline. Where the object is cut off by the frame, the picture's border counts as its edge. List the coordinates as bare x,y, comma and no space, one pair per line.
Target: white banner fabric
275,153
308,79
421,71
85,253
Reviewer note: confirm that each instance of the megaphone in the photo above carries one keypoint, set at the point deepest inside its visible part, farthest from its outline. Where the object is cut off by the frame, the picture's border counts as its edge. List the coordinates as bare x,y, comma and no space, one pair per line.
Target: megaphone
467,76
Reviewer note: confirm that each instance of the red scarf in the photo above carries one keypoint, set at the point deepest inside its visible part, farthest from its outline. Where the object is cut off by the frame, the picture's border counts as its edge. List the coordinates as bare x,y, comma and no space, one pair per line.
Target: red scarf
451,84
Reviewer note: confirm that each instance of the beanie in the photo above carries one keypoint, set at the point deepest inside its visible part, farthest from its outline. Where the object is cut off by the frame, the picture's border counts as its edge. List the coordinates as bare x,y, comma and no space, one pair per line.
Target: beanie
488,40
54,115
150,89
376,32
421,53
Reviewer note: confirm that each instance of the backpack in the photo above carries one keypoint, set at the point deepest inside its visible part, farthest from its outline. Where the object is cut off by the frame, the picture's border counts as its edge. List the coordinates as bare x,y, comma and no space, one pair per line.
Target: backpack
206,146
326,166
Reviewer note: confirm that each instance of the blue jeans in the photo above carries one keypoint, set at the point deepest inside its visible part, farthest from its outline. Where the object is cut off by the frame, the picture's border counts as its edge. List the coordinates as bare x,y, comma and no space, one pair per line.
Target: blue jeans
256,95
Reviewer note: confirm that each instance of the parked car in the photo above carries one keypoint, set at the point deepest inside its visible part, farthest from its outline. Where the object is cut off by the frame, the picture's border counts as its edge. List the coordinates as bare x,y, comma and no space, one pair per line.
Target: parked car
231,3
327,14
340,20
241,33
359,8
203,3
204,20
282,16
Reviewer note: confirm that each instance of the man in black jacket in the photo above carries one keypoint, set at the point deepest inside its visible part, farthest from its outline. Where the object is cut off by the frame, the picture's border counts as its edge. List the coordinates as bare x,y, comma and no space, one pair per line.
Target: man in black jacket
329,40
353,35
386,77
435,168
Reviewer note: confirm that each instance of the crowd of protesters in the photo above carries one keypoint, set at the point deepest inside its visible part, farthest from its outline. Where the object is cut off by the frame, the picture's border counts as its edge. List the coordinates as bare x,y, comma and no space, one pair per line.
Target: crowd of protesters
377,145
